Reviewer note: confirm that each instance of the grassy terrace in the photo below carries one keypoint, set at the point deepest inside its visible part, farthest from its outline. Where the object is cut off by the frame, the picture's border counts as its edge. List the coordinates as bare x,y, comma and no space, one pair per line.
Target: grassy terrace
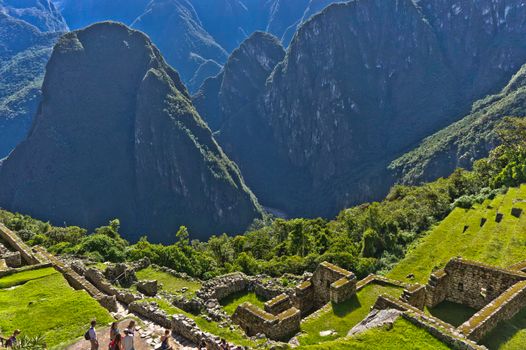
399,337
42,302
342,317
500,244
235,336
170,283
231,303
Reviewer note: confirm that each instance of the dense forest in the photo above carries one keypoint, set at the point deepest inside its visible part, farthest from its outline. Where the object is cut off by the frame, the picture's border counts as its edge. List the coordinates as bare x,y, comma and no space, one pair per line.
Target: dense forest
367,238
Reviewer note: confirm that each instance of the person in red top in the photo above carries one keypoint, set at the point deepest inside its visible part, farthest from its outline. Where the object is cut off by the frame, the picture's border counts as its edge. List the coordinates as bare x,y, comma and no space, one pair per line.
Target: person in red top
116,344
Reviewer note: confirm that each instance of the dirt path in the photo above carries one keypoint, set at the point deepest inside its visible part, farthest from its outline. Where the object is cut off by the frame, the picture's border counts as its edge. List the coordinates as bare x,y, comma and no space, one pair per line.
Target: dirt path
140,342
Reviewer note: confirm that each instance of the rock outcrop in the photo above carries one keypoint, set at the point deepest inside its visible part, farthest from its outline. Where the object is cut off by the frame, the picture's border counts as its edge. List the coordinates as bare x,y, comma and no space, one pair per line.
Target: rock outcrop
243,77
124,143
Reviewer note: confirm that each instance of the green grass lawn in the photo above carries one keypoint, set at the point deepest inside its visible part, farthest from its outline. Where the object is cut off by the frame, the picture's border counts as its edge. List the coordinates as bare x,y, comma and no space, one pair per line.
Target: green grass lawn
170,283
23,277
500,244
231,303
508,335
403,335
342,317
47,305
236,336
452,313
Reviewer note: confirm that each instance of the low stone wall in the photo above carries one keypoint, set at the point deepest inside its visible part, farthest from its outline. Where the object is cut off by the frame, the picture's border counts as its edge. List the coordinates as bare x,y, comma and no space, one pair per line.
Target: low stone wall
152,312
188,329
277,327
193,306
278,304
511,302
98,280
223,286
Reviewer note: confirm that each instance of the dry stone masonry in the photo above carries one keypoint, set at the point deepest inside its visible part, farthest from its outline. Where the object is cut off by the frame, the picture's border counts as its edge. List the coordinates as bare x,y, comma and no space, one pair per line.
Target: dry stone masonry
281,318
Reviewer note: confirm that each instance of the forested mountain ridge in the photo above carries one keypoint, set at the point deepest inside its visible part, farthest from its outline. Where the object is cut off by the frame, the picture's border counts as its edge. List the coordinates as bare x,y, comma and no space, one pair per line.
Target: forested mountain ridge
125,143
351,95
28,30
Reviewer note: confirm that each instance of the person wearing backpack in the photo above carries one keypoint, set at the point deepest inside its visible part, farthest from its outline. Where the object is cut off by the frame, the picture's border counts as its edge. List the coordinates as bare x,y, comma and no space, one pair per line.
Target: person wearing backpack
91,335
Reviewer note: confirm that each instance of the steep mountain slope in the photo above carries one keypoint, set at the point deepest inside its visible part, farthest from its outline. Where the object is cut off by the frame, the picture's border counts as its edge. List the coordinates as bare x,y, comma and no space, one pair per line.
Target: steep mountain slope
362,82
125,143
465,141
241,81
175,28
24,51
41,13
79,14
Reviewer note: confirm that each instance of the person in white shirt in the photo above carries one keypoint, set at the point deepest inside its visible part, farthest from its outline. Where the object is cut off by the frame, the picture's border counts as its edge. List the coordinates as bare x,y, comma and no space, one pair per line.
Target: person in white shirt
129,332
93,336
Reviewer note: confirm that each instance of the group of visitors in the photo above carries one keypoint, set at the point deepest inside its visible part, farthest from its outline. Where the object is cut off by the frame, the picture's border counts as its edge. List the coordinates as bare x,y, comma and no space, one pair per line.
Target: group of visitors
124,341
11,341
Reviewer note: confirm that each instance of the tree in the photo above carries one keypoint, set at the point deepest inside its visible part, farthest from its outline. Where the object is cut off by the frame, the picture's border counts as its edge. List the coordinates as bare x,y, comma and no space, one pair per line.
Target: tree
183,237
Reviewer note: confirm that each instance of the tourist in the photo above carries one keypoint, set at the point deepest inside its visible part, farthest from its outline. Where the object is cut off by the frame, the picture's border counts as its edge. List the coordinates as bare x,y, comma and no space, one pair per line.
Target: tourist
11,341
114,330
116,344
129,333
92,333
165,341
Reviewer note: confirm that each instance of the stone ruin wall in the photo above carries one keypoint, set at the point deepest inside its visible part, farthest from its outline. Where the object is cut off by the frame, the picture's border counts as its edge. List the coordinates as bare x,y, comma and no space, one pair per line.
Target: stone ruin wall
502,308
282,315
322,281
470,283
